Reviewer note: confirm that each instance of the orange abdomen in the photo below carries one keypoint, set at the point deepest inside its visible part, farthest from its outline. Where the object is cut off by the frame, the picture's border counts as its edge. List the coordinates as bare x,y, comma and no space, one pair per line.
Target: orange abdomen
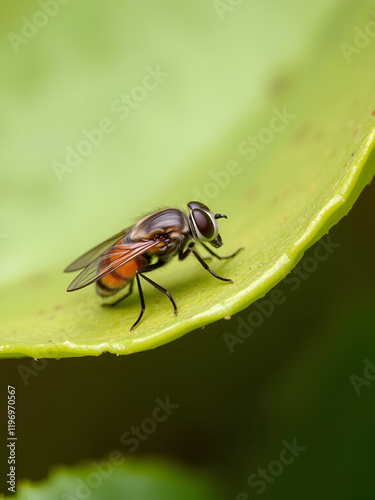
112,282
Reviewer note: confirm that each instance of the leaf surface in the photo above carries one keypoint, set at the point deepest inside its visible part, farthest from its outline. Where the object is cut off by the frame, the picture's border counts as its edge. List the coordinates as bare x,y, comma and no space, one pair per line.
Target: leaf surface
259,115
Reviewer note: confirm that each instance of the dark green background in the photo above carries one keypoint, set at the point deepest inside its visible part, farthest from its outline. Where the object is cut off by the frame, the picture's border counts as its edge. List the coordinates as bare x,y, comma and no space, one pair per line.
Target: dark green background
289,380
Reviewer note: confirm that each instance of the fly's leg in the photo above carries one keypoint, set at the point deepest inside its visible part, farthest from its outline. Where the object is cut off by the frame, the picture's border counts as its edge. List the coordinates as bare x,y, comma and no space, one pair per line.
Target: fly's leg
143,306
140,272
162,289
219,256
189,250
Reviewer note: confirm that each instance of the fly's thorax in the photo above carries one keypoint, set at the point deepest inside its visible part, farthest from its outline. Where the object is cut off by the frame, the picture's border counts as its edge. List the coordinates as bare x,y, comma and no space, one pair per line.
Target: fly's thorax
171,226
161,222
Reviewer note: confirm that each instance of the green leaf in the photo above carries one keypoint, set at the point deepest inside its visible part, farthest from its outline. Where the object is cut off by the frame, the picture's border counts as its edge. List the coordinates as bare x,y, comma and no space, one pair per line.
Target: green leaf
260,75
103,479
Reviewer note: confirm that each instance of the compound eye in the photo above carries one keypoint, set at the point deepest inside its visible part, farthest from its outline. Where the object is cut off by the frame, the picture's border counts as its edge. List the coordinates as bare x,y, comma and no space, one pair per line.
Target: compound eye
204,224
197,205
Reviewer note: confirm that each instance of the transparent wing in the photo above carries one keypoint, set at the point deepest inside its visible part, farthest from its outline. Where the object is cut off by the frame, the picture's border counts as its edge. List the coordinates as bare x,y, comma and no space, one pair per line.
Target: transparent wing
114,257
92,254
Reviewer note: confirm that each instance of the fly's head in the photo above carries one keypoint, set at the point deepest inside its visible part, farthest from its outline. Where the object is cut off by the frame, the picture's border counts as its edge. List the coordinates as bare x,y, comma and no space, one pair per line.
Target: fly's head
203,224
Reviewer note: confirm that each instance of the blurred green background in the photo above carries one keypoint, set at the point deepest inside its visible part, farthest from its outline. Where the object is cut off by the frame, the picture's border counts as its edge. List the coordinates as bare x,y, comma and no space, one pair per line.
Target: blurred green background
291,378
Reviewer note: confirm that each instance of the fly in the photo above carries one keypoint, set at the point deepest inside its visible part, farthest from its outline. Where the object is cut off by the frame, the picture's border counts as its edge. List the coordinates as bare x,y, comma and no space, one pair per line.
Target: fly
148,245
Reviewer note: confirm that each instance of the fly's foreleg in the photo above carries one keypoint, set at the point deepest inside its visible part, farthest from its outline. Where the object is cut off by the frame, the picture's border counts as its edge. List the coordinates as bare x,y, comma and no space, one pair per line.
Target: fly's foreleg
220,257
184,254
